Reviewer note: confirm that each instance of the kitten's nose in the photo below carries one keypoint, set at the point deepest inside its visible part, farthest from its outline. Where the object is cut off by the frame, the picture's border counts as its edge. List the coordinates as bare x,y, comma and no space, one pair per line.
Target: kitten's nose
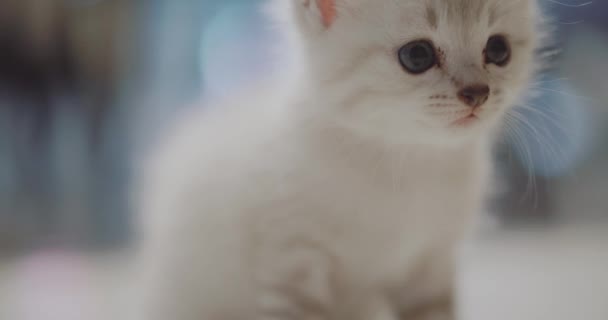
475,95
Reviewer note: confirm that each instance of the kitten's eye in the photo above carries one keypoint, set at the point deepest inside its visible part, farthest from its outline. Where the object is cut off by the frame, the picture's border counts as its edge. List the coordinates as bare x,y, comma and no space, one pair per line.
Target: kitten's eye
417,56
498,51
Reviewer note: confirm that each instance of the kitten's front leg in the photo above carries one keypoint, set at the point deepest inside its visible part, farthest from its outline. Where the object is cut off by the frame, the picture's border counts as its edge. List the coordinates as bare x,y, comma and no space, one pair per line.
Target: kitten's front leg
296,283
438,309
430,294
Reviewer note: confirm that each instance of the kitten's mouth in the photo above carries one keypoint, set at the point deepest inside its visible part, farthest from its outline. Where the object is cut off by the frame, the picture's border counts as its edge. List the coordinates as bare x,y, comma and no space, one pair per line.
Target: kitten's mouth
466,121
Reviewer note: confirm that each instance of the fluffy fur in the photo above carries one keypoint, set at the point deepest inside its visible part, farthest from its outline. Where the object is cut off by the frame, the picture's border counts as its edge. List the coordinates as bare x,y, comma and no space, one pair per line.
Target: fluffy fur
342,192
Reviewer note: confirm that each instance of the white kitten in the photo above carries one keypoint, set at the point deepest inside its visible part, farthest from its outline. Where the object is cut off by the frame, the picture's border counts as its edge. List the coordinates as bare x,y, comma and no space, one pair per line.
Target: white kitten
342,192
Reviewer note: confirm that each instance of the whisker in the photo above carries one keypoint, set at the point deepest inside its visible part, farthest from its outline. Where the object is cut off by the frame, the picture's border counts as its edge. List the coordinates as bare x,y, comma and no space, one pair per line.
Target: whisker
550,81
571,5
571,23
548,146
564,93
524,150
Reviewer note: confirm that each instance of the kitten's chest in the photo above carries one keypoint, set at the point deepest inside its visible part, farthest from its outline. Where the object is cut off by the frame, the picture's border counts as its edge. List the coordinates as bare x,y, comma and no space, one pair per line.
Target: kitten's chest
376,220
384,225
410,207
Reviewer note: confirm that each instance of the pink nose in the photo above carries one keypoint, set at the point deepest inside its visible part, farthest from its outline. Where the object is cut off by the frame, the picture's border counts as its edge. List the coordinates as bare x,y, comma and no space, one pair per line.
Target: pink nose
475,95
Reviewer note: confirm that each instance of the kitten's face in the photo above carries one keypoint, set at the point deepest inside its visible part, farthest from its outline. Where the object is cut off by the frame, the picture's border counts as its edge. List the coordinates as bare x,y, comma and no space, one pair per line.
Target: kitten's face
423,70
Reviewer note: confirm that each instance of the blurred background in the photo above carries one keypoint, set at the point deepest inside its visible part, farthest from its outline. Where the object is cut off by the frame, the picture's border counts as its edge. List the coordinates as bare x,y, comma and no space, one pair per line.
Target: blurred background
87,86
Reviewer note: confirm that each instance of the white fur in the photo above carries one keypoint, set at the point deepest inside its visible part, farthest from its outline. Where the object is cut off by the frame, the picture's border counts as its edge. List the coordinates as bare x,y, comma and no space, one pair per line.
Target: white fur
339,192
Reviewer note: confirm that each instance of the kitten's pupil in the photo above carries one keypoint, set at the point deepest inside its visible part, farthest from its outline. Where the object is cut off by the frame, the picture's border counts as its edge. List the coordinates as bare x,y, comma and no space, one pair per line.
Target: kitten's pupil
417,56
498,51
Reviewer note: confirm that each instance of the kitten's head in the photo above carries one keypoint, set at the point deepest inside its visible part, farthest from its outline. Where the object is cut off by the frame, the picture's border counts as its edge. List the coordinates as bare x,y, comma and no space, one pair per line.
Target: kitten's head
422,70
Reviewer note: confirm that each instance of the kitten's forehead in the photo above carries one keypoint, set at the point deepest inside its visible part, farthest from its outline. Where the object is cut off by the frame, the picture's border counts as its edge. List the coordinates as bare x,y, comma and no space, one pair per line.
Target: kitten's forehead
433,13
463,21
474,9
476,15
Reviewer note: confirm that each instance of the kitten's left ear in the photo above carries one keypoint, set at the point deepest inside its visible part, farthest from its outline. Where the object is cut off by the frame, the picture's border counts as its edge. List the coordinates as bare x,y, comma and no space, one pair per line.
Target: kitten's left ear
323,11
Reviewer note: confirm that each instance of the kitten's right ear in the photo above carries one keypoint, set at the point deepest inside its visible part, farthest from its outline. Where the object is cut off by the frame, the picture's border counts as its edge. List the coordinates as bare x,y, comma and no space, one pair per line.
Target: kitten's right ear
319,12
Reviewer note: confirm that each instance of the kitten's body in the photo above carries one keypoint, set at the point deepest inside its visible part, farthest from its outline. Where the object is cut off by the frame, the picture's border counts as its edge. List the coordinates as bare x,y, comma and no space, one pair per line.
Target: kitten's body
302,206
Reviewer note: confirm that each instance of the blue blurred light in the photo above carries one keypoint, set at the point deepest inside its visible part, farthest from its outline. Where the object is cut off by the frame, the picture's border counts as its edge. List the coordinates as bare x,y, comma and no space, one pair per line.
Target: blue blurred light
234,49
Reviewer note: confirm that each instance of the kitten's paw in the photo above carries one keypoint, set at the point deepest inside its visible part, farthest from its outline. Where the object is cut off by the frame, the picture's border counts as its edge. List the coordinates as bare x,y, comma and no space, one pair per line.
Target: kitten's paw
439,315
437,310
299,285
